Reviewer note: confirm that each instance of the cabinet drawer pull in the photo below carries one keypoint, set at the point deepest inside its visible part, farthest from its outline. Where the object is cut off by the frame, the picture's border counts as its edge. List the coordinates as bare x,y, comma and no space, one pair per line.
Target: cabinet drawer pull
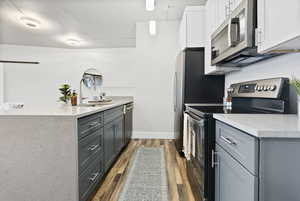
129,108
93,147
93,178
227,140
93,124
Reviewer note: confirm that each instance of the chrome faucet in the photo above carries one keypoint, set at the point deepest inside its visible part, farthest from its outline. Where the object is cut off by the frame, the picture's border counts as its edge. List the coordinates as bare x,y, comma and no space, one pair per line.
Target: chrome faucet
90,78
80,92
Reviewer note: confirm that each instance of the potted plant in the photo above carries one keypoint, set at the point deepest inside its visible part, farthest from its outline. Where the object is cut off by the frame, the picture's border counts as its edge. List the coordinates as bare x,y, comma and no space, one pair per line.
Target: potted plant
65,90
296,83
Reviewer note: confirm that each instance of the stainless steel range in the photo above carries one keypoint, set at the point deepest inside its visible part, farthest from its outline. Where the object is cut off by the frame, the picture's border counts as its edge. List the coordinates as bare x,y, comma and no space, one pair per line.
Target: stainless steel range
259,96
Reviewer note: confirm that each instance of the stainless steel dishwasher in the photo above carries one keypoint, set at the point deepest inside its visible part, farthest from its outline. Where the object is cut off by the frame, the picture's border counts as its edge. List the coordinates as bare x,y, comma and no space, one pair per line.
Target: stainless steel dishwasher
128,122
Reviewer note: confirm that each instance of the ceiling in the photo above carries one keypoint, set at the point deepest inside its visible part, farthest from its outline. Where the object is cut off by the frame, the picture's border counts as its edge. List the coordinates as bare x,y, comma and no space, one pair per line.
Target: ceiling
97,23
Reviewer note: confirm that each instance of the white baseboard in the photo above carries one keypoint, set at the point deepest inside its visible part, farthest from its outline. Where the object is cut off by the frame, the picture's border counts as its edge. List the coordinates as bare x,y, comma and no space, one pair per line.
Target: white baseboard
152,135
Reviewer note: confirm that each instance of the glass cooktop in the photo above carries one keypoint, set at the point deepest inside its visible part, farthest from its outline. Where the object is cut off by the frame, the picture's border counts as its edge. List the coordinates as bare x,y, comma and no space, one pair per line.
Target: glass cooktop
209,110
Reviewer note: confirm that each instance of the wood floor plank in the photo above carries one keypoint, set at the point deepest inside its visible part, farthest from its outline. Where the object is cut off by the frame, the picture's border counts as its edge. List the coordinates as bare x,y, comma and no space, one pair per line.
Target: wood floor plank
173,191
156,143
179,187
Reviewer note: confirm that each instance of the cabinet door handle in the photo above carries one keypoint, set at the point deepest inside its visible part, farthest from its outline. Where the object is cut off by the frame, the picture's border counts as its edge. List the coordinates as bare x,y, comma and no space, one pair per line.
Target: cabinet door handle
227,140
213,162
93,147
93,178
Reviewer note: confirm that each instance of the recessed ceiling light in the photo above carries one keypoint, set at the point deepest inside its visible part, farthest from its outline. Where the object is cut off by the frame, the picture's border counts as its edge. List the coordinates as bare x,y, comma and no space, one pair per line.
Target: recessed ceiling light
73,42
150,5
152,27
30,22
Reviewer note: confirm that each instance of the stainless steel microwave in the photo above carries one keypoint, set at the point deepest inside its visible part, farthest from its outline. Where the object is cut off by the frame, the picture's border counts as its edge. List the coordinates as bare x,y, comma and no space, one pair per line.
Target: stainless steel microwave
233,43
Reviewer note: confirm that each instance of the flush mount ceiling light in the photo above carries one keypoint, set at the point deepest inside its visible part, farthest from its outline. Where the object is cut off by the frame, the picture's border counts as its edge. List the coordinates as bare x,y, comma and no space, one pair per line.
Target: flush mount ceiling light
30,22
73,42
150,5
152,27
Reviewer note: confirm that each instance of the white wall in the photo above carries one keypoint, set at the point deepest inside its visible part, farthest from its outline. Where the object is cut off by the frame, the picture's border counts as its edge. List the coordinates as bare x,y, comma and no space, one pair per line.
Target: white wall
144,72
282,66
34,84
1,83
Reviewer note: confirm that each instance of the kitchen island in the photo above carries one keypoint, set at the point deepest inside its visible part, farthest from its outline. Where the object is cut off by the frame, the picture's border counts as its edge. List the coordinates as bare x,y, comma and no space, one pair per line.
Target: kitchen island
59,153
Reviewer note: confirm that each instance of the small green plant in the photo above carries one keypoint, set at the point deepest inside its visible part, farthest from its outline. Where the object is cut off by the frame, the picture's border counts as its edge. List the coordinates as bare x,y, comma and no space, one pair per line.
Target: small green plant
65,90
296,83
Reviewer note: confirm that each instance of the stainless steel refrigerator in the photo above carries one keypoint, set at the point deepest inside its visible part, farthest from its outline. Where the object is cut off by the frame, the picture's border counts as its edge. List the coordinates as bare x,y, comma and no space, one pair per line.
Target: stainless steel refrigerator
191,85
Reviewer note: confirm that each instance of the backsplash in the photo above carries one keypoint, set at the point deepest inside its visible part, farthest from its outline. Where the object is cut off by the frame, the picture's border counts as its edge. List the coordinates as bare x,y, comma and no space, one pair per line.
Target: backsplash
282,66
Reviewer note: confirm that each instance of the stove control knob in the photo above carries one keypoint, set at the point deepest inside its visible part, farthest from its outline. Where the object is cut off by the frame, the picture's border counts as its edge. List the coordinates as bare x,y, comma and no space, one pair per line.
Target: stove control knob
265,88
259,88
273,87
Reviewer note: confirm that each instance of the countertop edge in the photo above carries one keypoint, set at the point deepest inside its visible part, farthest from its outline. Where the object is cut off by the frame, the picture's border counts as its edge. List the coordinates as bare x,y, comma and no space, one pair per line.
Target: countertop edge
246,129
256,132
101,109
96,109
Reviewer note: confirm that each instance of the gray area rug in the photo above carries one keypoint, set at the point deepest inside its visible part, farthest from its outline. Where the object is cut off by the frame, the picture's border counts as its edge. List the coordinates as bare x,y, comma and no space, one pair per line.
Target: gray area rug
147,179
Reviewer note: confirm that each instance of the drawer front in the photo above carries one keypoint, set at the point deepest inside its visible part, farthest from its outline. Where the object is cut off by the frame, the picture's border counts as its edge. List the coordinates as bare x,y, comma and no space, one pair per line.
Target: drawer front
243,147
89,124
112,114
89,179
89,147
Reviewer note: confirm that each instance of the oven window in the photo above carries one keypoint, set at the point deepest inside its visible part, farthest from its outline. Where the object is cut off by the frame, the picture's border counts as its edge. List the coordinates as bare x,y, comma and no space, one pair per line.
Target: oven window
197,160
197,131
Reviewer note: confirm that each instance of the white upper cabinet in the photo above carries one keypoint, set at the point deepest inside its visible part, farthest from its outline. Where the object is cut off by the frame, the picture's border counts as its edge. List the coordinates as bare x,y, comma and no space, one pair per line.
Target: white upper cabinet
211,11
233,4
223,9
278,25
192,27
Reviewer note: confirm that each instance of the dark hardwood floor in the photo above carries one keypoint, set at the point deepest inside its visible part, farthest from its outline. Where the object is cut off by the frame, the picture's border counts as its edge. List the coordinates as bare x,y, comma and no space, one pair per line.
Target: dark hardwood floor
179,187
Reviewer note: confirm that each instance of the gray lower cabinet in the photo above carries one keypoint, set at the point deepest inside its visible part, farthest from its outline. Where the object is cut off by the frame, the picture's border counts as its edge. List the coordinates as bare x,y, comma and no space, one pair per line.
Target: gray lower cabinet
113,140
90,154
89,148
100,140
233,181
255,169
89,179
109,142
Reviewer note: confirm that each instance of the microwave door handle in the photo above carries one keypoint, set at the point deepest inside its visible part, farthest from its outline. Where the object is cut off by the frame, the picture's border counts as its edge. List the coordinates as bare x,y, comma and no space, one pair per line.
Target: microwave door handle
233,27
229,33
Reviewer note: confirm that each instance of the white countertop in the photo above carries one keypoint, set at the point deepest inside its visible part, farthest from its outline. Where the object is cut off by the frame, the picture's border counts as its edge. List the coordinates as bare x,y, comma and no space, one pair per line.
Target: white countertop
264,125
61,110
